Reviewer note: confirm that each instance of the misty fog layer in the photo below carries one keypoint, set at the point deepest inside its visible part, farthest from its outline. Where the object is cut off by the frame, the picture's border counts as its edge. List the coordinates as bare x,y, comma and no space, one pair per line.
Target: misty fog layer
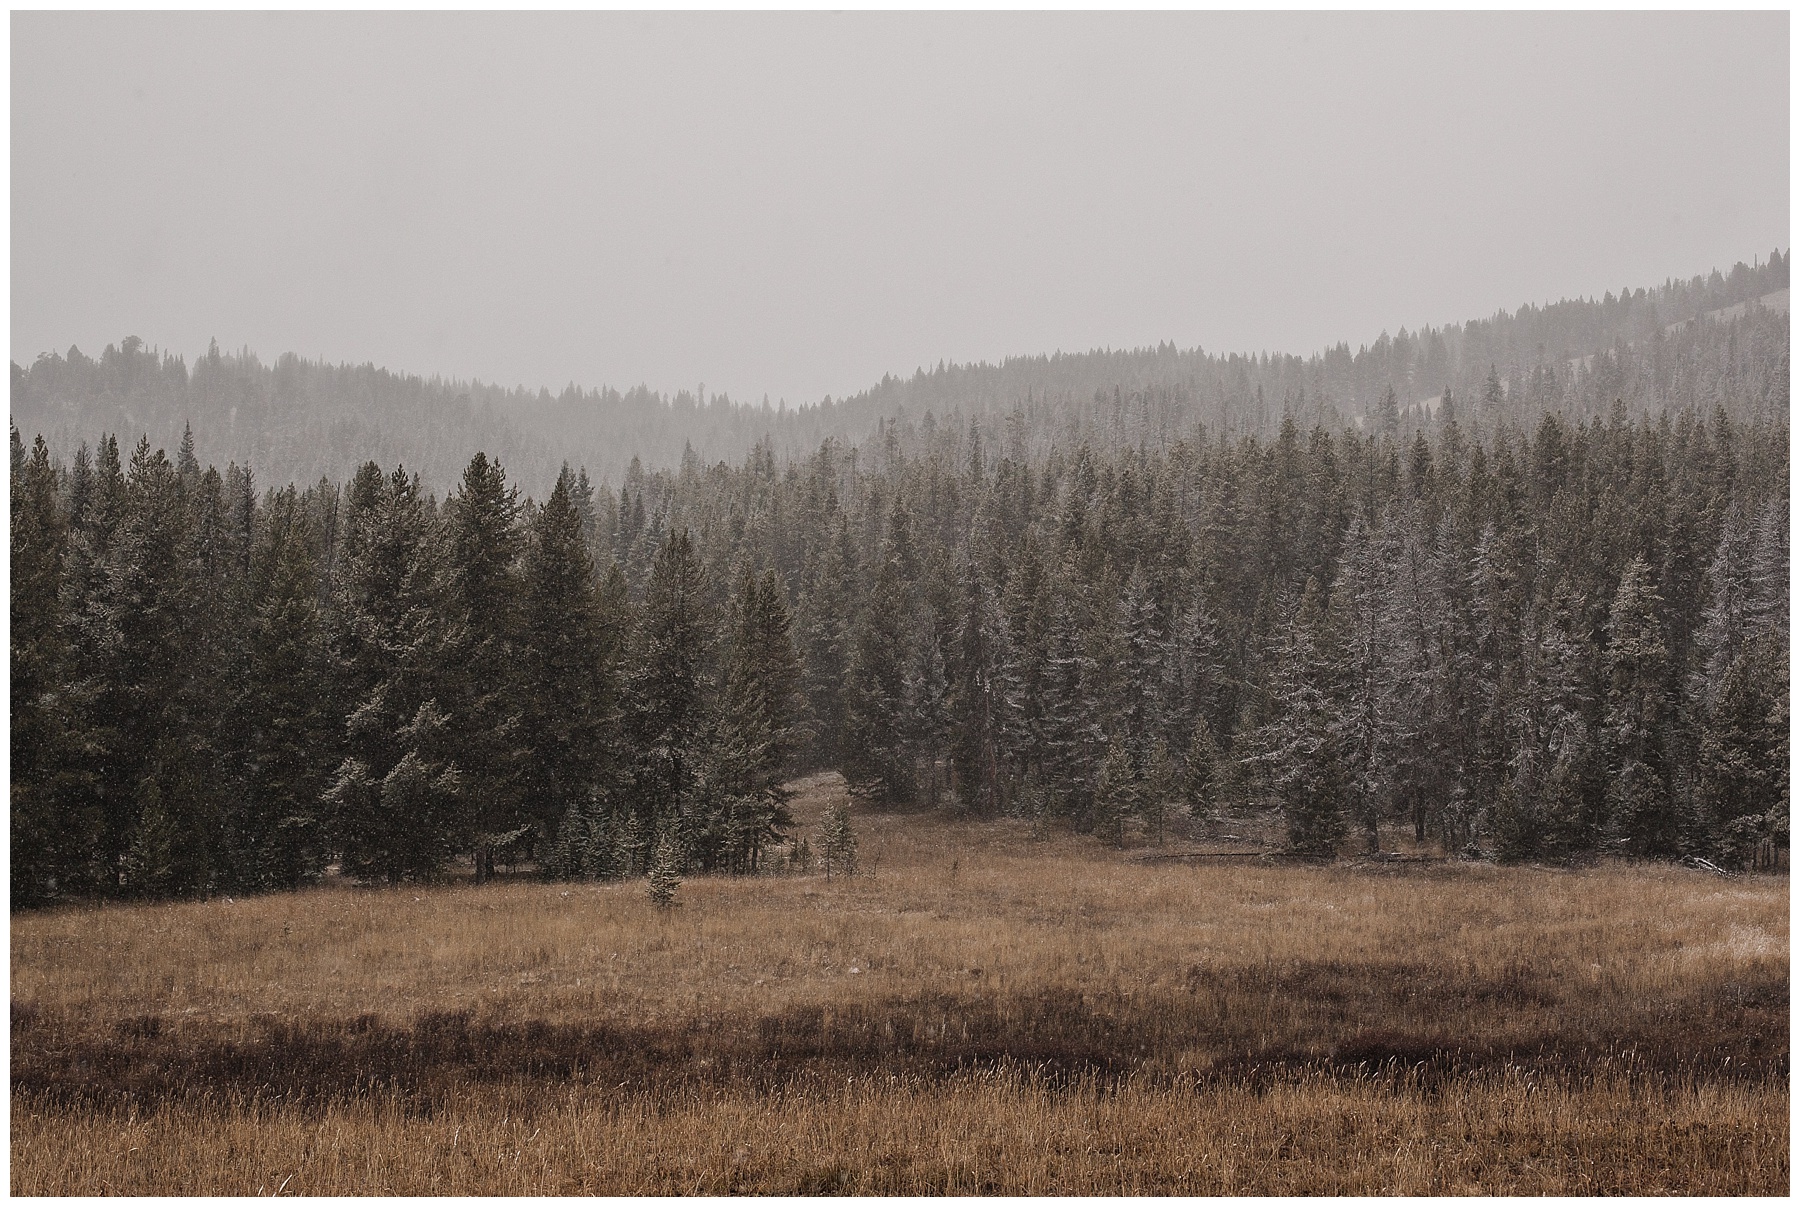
297,420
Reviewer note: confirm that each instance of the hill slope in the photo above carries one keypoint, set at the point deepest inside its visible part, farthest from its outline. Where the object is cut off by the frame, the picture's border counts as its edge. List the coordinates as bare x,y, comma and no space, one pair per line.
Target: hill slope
297,420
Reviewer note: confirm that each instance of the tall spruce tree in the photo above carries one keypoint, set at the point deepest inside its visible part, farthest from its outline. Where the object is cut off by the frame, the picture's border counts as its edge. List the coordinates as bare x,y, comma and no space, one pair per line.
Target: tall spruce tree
394,806
669,687
567,667
877,753
824,620
481,690
1363,659
48,843
1301,749
974,707
1642,814
758,736
275,835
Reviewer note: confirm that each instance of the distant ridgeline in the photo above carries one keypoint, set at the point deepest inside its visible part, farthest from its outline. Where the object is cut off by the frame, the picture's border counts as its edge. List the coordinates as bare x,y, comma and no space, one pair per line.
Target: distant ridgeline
1542,640
298,421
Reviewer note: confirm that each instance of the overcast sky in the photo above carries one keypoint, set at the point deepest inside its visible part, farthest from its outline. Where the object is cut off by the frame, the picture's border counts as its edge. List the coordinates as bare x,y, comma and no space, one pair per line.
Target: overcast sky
796,204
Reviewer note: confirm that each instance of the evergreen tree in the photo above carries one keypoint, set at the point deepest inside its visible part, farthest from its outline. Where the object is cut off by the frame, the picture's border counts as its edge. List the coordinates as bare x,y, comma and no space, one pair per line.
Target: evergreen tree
935,672
1073,742
825,612
274,829
877,754
1387,413
669,686
1206,778
48,843
1740,759
1162,787
974,709
837,840
1642,814
1359,692
140,723
1547,808
1300,750
567,666
394,806
665,869
758,735
761,684
480,662
1139,669
1118,795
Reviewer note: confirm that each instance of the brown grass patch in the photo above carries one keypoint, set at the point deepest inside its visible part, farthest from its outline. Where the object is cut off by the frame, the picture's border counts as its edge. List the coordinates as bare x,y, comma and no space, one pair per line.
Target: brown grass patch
992,1012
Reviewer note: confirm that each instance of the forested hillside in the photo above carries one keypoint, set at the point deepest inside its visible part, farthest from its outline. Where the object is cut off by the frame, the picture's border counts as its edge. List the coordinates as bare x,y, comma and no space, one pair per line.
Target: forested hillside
298,421
1542,641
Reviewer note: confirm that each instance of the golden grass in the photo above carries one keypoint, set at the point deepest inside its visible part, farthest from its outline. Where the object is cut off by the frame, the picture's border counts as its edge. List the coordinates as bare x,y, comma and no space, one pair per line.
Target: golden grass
977,1011
995,1133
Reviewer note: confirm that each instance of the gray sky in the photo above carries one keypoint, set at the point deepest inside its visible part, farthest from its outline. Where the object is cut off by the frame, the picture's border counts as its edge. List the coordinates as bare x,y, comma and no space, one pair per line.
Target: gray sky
795,204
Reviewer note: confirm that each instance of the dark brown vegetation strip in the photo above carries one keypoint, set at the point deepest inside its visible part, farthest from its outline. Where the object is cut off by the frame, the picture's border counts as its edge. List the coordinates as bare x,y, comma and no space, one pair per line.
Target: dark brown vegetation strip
1386,1020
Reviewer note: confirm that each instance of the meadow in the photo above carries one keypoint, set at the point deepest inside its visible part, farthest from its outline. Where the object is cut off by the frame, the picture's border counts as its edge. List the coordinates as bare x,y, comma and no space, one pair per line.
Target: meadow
980,1009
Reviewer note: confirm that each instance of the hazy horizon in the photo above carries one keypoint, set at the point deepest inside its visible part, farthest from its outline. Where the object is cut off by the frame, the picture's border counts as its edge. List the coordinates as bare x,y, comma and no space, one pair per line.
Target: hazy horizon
797,204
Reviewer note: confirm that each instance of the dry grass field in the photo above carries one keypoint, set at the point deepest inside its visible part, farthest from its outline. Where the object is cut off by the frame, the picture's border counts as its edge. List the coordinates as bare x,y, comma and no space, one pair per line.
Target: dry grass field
977,1011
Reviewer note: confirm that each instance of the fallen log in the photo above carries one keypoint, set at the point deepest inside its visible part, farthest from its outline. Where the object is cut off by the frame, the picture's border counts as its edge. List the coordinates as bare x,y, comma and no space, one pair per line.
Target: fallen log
1705,865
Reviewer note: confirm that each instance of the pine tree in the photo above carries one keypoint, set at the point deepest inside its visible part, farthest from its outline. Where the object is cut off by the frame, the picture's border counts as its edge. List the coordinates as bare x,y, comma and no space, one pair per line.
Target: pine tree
274,830
1206,779
1199,685
480,663
974,709
837,840
1493,400
1363,661
1073,742
77,777
1427,660
1739,761
758,734
1769,579
1546,806
877,756
140,710
1387,413
665,869
1021,666
824,622
394,806
1731,600
48,844
760,700
1118,795
935,671
1139,670
149,865
567,666
669,685
1642,814
1162,787
1300,751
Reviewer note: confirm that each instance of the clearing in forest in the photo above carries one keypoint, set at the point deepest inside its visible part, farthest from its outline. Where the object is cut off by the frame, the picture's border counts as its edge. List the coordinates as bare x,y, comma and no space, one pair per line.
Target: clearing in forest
977,1010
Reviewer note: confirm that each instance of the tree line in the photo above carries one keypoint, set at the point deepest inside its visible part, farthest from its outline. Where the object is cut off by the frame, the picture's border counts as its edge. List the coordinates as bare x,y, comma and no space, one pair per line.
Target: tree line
1543,642
298,419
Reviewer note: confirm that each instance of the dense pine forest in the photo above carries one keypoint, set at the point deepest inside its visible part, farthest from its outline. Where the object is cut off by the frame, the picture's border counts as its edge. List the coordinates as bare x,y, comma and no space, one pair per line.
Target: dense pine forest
298,420
1540,641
